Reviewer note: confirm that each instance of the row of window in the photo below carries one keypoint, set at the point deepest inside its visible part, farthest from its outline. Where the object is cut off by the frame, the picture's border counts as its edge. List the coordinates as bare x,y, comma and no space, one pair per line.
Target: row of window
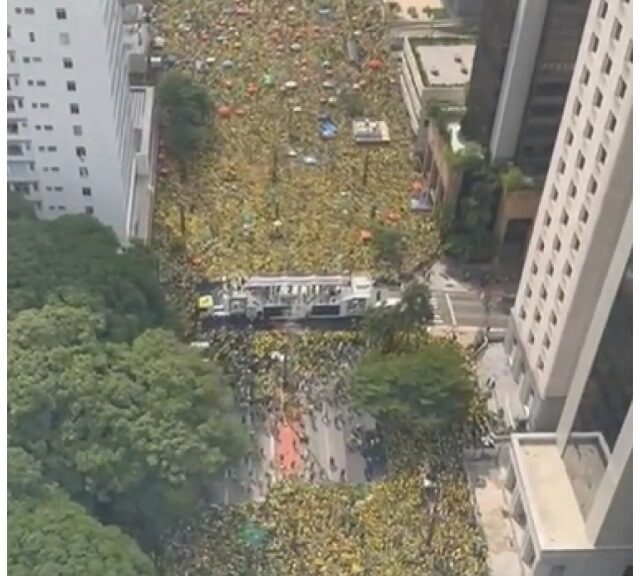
61,208
61,13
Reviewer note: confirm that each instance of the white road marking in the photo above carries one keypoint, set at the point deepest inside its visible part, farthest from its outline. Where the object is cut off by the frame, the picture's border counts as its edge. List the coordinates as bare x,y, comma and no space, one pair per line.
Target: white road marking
451,312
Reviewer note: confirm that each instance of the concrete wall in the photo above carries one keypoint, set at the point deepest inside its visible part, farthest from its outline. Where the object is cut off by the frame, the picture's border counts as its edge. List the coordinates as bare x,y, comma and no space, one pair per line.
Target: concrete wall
515,205
521,60
449,179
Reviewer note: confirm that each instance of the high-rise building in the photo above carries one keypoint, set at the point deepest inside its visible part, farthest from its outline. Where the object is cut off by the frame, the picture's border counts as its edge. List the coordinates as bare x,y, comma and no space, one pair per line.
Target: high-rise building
524,61
571,324
80,123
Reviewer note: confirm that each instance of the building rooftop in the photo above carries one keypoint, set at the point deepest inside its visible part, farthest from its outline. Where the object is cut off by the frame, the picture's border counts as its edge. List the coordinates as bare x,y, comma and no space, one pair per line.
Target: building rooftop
554,509
446,65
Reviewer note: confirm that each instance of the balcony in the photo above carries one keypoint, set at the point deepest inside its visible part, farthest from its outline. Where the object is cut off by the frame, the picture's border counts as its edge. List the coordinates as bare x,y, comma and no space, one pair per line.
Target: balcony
137,42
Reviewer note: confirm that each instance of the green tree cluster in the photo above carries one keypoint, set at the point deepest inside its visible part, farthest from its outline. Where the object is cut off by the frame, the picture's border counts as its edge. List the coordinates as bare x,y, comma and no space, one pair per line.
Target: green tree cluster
135,432
50,535
75,259
418,392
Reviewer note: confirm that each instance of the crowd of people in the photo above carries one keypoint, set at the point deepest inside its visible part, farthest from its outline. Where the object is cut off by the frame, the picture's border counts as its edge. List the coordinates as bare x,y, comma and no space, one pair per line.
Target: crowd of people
270,194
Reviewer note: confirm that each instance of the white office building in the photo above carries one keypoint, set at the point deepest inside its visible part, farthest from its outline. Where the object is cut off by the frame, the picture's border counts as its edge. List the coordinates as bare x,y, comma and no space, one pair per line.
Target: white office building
579,256
80,115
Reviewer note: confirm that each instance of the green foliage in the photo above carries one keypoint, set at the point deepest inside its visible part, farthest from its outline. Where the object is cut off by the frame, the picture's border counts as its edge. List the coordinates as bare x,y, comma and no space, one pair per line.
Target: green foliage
184,113
424,391
385,327
75,259
513,179
19,207
353,103
470,158
471,247
135,432
388,247
49,535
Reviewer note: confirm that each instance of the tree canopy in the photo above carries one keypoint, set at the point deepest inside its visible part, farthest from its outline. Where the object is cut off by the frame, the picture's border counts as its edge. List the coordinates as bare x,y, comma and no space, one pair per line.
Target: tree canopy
76,259
184,112
133,431
49,535
385,327
420,391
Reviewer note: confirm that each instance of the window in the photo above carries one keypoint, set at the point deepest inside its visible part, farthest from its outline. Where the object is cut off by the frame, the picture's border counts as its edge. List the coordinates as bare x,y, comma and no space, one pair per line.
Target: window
575,243
629,54
71,86
37,59
583,216
607,64
597,98
531,337
550,269
603,8
592,186
593,43
83,171
58,188
48,127
74,108
29,82
546,341
8,31
52,148
543,292
541,245
569,137
44,105
88,210
41,83
62,208
547,219
577,107
564,219
573,190
81,152
26,59
602,154
86,191
540,365
12,56
557,244
553,318
560,295
584,77
621,88
527,291
561,166
18,10
522,314
568,270
12,127
77,130
580,160
67,63
32,36
536,315
61,14
64,38
55,169
534,268
34,105
554,193
616,30
14,150
588,130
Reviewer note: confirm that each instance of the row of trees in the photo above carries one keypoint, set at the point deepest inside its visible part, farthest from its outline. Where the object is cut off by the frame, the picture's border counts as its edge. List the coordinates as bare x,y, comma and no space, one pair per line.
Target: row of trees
115,426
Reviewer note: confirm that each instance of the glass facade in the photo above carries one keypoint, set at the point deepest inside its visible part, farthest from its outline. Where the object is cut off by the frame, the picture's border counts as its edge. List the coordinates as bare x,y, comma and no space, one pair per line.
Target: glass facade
606,398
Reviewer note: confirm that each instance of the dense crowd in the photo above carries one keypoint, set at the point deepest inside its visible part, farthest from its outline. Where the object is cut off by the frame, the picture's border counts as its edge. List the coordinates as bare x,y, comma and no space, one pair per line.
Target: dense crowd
270,193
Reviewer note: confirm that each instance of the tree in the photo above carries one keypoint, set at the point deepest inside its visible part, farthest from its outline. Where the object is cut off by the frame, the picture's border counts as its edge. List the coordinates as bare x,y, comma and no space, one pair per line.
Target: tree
184,113
51,535
353,103
385,327
388,246
422,391
134,432
75,259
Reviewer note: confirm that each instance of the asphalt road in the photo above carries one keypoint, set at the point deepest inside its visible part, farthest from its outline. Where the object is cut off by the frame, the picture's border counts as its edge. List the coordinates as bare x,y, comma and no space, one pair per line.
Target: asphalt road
456,308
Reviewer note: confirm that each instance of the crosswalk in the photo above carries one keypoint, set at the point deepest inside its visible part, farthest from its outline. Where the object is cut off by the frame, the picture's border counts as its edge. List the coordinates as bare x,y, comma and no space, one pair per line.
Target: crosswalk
435,307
